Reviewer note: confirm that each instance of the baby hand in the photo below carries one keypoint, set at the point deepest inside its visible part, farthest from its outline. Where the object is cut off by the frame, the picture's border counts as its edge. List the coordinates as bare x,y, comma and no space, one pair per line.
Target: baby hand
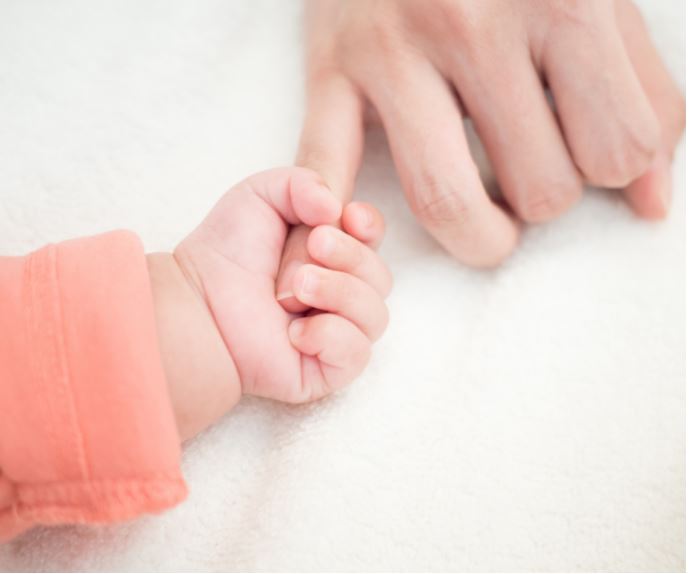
231,262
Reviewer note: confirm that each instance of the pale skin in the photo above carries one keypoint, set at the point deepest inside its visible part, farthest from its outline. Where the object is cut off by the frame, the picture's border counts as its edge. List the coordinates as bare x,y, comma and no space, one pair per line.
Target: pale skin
222,331
616,117
417,67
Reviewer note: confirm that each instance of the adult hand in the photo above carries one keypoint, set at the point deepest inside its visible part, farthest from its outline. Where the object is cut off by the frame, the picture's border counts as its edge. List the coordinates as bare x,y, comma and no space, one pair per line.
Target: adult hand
616,120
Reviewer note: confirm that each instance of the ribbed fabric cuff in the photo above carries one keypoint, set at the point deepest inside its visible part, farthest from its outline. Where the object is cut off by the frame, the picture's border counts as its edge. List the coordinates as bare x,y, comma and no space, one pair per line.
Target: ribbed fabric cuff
87,432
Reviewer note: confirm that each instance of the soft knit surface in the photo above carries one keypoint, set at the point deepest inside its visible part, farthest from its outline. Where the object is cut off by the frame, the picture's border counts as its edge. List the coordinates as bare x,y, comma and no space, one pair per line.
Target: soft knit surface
526,418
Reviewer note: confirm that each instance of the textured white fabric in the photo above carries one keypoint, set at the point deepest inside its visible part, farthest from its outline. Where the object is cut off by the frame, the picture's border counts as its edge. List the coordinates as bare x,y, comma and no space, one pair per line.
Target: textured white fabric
526,418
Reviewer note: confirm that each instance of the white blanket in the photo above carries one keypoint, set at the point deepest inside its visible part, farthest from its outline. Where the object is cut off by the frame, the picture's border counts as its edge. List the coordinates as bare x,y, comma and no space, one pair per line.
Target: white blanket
526,418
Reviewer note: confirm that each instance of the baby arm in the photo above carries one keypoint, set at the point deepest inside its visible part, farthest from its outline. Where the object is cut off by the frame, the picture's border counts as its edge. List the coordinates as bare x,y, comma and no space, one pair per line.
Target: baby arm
108,357
202,379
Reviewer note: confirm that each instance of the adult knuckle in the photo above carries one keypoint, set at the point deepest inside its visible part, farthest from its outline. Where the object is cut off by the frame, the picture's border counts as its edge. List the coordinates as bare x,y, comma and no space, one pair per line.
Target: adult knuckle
381,33
641,145
625,159
385,36
444,206
580,14
463,18
313,154
437,203
473,29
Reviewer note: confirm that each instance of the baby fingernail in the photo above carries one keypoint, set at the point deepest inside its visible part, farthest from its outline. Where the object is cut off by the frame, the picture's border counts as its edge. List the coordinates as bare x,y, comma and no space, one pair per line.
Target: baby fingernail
296,328
309,283
366,217
327,245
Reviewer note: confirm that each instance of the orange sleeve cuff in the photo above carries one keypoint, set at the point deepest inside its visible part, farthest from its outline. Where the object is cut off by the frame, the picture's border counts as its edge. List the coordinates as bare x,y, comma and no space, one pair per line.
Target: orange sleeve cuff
87,432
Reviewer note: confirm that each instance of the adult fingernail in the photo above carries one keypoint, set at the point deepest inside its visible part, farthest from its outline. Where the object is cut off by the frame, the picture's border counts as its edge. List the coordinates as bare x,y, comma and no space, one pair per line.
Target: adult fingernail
296,328
650,195
665,180
660,178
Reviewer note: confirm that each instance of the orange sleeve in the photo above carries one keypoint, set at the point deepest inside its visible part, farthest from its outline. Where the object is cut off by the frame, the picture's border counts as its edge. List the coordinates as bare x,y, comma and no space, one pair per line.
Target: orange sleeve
87,432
